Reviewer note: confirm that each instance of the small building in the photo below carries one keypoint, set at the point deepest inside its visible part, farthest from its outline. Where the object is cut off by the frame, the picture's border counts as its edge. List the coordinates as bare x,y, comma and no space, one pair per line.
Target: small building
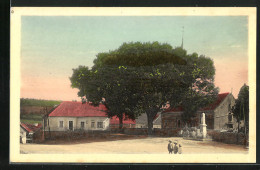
141,121
28,131
218,115
73,116
127,123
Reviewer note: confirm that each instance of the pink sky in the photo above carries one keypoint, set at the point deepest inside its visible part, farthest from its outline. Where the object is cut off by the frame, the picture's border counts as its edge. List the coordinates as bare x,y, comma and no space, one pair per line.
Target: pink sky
52,46
229,74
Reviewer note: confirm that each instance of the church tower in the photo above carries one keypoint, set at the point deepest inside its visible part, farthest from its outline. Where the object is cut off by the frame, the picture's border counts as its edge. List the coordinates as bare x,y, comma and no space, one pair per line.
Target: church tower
182,37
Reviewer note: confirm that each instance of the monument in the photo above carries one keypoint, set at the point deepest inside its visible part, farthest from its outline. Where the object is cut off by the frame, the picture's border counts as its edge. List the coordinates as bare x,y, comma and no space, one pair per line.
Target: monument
203,126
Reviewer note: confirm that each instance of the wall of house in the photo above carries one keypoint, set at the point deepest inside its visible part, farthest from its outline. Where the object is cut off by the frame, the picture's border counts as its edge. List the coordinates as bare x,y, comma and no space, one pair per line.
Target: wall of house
140,125
174,120
54,123
221,113
22,135
157,126
171,120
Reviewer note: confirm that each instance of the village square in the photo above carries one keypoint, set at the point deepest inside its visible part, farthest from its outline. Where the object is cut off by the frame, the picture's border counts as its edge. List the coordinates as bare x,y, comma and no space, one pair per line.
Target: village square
123,91
132,114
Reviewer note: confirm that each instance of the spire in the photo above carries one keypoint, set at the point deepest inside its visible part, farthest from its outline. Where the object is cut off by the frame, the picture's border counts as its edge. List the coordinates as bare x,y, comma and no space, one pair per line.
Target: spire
182,37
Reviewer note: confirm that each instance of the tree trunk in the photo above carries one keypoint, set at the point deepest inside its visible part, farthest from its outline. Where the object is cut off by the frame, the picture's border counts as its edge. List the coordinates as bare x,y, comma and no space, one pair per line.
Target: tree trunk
150,125
238,122
121,122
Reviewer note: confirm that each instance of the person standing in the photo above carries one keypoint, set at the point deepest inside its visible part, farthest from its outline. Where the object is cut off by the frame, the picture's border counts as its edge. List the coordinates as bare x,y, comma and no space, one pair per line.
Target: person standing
170,147
175,148
180,149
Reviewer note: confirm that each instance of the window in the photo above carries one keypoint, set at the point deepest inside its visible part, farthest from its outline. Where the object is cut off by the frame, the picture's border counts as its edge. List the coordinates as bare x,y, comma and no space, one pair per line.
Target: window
100,124
82,125
70,125
230,117
92,124
61,124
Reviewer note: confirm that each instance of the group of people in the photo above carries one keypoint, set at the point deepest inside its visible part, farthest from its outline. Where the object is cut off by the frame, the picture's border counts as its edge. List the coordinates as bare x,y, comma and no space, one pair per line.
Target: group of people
177,148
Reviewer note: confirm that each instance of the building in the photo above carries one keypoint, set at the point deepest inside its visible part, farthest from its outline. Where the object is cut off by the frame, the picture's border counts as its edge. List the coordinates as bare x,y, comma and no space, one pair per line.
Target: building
127,123
218,115
28,132
141,121
72,116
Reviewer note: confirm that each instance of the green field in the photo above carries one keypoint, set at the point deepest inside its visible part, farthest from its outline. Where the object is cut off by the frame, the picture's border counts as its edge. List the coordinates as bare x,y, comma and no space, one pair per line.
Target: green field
35,117
31,118
36,102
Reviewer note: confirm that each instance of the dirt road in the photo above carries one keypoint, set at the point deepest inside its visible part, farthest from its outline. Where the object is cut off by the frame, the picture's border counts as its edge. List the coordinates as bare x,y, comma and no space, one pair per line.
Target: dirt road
151,145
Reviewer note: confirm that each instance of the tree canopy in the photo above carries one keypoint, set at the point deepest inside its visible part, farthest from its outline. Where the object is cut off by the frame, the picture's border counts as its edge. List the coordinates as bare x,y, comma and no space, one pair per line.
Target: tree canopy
143,77
241,107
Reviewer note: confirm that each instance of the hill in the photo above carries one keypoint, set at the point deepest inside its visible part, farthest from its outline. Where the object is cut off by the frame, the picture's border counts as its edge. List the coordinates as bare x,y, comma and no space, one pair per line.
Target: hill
32,110
36,102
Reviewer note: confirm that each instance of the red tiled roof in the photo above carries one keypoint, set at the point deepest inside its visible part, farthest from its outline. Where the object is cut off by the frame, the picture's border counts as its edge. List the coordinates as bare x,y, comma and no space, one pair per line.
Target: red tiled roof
212,106
30,127
115,120
77,109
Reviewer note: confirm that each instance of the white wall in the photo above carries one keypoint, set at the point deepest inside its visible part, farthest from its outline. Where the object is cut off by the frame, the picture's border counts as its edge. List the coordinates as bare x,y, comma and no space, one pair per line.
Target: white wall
54,123
22,135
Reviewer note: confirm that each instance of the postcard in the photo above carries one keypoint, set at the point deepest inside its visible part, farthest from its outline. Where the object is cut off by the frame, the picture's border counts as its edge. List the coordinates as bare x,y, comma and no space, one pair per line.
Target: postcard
133,85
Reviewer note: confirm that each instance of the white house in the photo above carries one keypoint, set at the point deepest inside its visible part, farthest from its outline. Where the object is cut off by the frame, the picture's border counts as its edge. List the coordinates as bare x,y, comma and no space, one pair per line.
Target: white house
73,116
77,116
27,132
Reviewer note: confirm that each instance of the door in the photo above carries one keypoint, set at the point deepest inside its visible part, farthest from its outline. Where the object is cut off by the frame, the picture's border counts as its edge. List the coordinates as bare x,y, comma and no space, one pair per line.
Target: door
70,125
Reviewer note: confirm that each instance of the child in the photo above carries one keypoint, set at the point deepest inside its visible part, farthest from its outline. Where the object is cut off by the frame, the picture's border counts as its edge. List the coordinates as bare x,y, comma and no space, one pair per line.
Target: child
175,148
170,147
180,149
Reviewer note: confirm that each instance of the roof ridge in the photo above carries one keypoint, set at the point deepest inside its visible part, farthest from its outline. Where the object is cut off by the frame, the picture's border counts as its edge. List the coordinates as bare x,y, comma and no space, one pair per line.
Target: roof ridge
211,106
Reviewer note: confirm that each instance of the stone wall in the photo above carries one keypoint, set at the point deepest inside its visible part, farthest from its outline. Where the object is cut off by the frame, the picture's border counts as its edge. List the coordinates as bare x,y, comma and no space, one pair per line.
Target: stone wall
84,134
156,131
74,134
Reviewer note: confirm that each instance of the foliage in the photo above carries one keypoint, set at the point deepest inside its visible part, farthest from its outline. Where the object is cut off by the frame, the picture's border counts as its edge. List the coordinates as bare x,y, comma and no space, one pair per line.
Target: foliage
144,77
36,102
202,90
107,85
241,107
139,54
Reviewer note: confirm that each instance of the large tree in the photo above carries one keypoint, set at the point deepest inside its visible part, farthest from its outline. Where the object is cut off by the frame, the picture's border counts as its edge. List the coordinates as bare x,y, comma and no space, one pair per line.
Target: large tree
241,107
151,74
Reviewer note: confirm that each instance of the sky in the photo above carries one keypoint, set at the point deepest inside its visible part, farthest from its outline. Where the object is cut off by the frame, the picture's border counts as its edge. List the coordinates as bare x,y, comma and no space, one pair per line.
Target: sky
51,46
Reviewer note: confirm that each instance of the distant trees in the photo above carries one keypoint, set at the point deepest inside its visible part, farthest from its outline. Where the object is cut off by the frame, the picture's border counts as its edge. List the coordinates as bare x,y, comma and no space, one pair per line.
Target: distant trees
143,77
241,107
38,102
